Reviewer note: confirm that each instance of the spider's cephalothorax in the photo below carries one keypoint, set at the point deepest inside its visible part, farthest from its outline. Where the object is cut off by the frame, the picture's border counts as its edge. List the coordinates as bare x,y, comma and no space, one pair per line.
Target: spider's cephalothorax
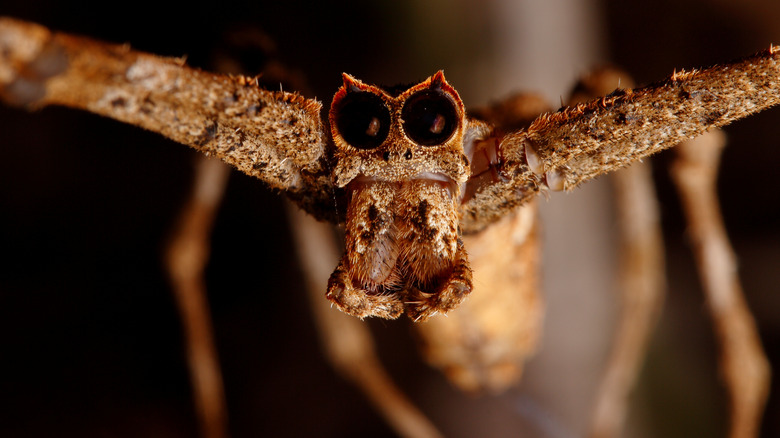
401,159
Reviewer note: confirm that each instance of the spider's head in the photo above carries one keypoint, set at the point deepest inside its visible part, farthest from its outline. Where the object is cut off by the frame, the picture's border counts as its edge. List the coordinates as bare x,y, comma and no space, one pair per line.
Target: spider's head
417,133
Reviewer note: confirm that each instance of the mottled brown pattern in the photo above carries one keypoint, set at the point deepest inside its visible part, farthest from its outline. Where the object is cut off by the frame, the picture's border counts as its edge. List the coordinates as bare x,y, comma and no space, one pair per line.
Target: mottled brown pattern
623,127
399,158
279,137
403,252
275,136
403,249
484,343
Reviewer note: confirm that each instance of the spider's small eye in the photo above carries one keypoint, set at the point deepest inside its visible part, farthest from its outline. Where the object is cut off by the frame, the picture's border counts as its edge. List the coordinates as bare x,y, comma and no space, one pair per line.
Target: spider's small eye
363,120
429,117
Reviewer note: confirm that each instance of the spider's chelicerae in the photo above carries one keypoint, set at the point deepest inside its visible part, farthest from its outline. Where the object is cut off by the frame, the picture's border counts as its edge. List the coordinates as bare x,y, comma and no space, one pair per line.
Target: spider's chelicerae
429,195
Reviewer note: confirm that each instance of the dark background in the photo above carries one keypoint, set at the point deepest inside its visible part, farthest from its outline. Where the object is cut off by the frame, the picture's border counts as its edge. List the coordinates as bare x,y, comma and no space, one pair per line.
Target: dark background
90,340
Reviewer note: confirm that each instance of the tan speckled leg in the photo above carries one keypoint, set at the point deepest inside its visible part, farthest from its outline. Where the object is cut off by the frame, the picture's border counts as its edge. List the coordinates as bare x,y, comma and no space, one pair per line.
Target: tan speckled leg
358,302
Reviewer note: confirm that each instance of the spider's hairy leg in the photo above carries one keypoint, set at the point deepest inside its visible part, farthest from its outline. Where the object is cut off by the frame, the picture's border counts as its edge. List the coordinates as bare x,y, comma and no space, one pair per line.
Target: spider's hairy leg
272,135
622,128
439,275
422,304
512,113
356,301
642,280
403,251
366,281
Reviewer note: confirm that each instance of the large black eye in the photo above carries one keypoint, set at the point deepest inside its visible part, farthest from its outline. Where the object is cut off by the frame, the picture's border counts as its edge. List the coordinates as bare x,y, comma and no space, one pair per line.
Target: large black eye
429,117
363,120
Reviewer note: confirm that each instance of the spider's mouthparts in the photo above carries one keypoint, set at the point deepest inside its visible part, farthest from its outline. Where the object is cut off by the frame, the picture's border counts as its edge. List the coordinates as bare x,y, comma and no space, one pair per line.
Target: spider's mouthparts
436,177
484,159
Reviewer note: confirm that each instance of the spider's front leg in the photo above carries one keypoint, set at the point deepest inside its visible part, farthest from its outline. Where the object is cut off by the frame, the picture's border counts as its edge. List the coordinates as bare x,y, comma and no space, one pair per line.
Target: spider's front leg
432,251
560,150
367,280
403,251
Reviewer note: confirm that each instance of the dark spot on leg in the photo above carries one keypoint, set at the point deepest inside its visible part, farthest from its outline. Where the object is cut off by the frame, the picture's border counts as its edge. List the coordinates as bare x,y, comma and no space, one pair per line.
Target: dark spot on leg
24,91
372,213
147,105
253,110
51,61
617,92
420,220
208,135
408,154
713,117
422,210
119,101
386,156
